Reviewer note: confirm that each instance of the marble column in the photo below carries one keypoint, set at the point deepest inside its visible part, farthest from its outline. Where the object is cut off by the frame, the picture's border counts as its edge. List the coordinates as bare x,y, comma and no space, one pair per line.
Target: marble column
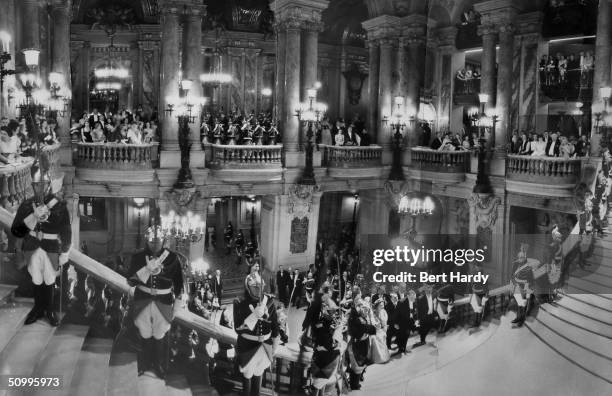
373,80
528,94
170,156
416,66
30,35
61,64
385,89
504,88
446,48
279,90
373,213
291,96
192,68
488,72
7,23
601,76
310,52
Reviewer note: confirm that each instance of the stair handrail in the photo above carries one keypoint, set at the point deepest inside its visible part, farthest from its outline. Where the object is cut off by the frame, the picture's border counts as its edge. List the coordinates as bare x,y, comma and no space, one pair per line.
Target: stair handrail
182,316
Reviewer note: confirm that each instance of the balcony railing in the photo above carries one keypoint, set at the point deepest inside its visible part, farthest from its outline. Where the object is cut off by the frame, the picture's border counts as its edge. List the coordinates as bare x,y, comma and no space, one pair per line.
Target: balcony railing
15,182
351,156
226,156
116,156
440,161
543,170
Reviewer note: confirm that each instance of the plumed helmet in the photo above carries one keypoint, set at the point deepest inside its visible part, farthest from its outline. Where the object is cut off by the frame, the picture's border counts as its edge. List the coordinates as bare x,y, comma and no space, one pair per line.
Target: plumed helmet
253,287
154,232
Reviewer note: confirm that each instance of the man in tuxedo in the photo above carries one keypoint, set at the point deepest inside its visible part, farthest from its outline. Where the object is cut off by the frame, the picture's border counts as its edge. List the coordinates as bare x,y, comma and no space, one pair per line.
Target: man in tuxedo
406,319
552,146
217,285
296,288
95,117
425,313
426,135
281,285
393,326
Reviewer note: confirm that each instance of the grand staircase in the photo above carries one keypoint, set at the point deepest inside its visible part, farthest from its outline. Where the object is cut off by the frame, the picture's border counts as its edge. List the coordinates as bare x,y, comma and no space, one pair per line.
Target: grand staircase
579,325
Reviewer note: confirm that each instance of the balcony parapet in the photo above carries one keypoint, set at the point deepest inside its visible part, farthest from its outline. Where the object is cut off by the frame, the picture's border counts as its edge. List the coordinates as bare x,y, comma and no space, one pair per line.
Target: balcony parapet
352,161
116,156
558,175
230,156
430,160
15,182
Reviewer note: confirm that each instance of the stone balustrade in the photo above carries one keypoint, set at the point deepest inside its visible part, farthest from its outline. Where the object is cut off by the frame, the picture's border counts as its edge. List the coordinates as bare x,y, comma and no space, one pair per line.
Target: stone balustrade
116,156
543,170
52,154
351,156
15,182
427,159
229,156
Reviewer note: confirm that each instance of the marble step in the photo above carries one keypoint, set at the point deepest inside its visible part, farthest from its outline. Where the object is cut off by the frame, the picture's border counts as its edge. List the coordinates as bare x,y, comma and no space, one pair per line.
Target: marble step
585,285
20,356
593,277
592,343
12,316
592,363
7,292
599,269
60,357
586,309
578,320
122,379
593,299
92,367
605,242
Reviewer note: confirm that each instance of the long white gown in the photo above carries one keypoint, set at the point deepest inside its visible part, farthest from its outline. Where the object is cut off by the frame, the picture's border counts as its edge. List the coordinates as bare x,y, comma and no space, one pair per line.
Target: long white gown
378,342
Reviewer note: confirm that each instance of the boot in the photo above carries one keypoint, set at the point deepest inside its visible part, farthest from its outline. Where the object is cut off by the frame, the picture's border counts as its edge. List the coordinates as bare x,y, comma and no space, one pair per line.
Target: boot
144,356
246,386
37,311
476,322
49,299
530,303
159,351
519,315
354,380
255,385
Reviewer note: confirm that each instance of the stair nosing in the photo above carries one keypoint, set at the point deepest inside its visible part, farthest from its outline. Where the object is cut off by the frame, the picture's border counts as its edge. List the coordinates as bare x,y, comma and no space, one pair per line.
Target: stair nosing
595,283
571,295
590,292
574,324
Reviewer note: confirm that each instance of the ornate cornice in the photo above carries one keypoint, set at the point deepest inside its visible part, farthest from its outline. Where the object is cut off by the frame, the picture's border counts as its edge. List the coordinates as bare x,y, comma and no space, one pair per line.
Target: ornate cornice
497,12
301,200
530,23
487,30
298,14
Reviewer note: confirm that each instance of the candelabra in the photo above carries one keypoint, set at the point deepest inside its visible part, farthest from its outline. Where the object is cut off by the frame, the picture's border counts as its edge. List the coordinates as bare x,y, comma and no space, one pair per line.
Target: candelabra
182,230
482,122
415,206
184,104
310,113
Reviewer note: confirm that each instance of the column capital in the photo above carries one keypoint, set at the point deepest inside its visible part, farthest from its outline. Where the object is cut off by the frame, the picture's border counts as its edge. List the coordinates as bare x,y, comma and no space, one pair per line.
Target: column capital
61,5
382,27
487,30
497,12
298,14
194,12
530,23
508,28
531,38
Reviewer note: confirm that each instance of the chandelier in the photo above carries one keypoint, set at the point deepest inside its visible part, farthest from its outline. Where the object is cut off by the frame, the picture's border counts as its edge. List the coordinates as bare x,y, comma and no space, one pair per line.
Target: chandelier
183,230
416,206
216,77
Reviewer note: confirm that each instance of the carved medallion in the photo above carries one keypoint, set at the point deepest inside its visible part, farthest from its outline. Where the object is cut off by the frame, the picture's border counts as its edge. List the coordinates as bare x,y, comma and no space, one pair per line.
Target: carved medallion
485,209
183,198
301,199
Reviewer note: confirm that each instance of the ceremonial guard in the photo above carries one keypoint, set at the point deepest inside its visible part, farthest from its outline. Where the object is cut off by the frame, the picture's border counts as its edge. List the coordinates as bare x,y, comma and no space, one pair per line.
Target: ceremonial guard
479,296
445,300
256,323
157,279
522,281
43,222
327,337
358,348
425,313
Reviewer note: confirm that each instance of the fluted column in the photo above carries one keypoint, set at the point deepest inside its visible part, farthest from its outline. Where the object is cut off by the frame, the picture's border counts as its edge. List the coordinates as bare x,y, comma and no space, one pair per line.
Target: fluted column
281,42
310,52
169,89
488,72
385,88
601,76
61,63
504,87
291,96
373,116
192,68
416,66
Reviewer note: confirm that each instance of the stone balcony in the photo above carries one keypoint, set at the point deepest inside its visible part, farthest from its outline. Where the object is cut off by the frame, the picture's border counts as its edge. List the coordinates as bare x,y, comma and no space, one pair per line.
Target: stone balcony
450,166
352,161
549,176
242,163
115,162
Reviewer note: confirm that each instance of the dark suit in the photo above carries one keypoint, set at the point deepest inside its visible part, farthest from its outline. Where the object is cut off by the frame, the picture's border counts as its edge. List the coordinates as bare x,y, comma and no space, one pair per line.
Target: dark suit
296,290
217,288
436,144
426,320
405,319
555,152
281,285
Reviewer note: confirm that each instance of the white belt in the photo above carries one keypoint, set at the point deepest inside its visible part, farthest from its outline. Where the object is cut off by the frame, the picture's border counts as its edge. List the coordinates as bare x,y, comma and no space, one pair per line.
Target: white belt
42,235
443,299
251,337
154,292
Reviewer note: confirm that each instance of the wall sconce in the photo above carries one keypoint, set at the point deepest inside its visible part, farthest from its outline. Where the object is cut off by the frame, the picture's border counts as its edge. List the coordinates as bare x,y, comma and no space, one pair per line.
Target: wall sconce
31,57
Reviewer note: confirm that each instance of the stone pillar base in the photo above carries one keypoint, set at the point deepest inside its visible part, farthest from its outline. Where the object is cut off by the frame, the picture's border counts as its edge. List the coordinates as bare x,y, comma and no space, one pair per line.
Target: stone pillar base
387,157
170,159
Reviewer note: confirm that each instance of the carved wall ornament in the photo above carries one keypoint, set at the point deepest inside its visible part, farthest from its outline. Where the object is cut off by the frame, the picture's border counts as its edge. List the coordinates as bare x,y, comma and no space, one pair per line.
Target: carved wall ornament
301,199
355,77
485,209
395,191
182,199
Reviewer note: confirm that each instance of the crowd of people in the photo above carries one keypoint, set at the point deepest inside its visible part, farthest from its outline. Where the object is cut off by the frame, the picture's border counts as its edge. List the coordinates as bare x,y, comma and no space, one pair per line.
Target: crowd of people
19,138
567,71
467,80
237,128
124,127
